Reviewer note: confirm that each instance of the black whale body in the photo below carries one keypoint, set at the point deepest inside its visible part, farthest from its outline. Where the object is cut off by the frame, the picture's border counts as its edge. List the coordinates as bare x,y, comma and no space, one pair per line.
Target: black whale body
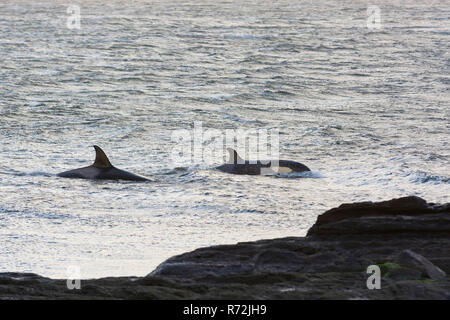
237,165
101,169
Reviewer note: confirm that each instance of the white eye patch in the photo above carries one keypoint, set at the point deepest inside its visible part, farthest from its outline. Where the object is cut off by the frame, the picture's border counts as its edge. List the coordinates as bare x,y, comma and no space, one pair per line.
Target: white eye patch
283,170
278,170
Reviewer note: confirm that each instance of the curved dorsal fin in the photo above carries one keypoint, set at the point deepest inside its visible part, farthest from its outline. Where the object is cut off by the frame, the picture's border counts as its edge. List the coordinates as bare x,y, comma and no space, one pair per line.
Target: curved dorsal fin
101,160
234,157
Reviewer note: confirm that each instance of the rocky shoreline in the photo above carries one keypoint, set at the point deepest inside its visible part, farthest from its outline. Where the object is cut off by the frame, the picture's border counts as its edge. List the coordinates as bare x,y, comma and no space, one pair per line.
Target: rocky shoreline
407,238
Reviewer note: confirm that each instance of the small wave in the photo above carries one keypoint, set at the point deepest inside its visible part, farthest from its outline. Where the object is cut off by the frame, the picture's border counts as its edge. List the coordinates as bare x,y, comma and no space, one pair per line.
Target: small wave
240,120
296,175
423,177
270,93
241,36
177,170
186,170
252,211
222,97
36,173
36,213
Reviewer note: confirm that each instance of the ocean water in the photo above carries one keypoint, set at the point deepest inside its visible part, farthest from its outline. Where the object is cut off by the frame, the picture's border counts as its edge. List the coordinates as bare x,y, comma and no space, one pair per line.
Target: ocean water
366,108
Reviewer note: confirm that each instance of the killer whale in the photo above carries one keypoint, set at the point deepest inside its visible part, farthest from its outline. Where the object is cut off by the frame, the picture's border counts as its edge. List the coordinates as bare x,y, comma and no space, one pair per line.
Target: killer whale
101,169
237,165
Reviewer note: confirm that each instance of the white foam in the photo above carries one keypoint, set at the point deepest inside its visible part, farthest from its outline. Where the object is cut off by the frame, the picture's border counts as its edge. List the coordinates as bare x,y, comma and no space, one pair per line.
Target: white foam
240,36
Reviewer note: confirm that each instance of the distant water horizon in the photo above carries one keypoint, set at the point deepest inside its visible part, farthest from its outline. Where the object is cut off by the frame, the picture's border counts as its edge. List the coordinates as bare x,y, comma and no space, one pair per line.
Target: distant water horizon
363,101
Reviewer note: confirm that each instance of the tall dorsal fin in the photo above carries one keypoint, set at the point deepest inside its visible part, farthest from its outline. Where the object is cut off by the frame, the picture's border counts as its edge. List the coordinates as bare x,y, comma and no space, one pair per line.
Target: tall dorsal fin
101,160
234,157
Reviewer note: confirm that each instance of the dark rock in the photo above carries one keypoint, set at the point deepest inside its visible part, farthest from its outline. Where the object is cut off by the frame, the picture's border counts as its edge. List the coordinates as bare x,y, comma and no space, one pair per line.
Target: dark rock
398,272
414,260
425,224
408,214
330,263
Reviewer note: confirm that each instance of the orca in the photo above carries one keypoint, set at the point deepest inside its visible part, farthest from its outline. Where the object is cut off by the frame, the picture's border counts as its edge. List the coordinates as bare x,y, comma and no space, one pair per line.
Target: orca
101,169
237,165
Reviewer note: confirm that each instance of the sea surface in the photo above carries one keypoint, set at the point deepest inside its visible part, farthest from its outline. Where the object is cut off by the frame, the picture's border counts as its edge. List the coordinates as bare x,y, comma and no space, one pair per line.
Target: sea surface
359,91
